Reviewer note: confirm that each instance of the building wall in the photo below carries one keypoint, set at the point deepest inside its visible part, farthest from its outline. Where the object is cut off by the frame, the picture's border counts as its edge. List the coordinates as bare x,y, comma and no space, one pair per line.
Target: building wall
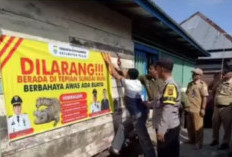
182,68
88,24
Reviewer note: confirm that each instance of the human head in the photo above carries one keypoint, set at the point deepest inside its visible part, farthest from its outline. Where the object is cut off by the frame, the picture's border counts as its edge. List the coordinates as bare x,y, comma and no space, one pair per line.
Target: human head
94,94
132,73
16,101
152,71
196,74
164,68
105,93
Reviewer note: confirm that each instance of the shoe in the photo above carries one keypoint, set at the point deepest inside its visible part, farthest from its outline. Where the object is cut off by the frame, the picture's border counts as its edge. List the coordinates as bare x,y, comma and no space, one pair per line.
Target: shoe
214,143
114,151
224,146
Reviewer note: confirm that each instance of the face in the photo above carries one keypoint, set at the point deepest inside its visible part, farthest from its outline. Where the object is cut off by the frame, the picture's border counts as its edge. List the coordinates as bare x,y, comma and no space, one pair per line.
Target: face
104,93
153,71
95,96
196,77
160,72
17,109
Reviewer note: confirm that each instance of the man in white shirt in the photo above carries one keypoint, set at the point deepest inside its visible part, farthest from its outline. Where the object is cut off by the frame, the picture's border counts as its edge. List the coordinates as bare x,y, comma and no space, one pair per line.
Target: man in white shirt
18,122
95,106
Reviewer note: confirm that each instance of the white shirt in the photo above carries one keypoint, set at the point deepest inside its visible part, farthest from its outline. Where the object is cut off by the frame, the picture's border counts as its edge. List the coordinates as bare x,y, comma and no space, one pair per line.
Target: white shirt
133,88
95,107
18,123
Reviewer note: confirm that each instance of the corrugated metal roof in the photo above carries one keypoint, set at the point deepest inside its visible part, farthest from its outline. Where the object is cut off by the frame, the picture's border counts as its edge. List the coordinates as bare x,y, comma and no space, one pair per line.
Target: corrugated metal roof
207,33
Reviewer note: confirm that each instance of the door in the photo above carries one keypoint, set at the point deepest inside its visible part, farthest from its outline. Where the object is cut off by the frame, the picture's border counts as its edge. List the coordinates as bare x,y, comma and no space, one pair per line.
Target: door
144,57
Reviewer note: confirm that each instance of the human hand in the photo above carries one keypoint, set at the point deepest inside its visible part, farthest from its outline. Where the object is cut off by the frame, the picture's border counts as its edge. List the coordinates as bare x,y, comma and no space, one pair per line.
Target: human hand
161,137
202,112
106,58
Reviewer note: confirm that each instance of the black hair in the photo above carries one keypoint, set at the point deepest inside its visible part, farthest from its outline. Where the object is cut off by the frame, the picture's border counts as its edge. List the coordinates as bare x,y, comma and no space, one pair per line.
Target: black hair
166,64
152,65
133,73
94,91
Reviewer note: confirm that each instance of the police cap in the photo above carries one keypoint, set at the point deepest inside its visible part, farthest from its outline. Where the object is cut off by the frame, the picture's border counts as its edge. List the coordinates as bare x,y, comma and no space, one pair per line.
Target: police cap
16,100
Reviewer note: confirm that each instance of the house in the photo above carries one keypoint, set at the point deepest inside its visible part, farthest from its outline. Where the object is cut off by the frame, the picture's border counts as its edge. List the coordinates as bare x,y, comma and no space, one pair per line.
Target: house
214,40
136,30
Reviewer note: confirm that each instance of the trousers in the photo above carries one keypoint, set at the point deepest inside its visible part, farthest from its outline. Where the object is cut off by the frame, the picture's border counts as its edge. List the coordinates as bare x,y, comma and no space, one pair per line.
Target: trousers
195,127
142,133
222,115
171,146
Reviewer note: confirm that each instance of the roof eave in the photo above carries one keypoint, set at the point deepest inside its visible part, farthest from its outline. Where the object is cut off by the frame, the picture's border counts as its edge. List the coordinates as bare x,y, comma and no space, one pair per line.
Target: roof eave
153,9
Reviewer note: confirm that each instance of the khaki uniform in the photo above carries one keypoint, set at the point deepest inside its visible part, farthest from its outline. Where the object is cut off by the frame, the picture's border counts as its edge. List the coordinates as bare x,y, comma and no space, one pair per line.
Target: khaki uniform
195,92
223,111
152,86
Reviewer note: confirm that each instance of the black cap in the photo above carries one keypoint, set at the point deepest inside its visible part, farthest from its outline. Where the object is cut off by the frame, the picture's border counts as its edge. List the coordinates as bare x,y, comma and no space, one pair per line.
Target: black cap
16,100
165,63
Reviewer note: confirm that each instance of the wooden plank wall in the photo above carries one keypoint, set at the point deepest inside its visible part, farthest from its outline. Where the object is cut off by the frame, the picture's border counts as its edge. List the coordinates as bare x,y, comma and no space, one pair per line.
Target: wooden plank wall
90,23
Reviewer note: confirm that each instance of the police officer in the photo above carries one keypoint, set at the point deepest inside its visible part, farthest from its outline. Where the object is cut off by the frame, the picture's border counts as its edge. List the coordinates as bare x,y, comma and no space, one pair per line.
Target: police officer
197,92
166,110
18,122
223,111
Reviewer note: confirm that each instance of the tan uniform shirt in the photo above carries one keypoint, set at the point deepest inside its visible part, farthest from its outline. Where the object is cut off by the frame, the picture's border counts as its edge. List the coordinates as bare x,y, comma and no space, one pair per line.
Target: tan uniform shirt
223,94
152,86
195,92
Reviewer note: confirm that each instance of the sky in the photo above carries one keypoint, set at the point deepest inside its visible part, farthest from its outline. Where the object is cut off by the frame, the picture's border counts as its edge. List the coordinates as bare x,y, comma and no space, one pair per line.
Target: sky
219,11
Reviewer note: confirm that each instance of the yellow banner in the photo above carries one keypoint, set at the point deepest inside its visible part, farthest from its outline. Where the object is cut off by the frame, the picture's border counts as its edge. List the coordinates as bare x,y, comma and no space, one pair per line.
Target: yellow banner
50,85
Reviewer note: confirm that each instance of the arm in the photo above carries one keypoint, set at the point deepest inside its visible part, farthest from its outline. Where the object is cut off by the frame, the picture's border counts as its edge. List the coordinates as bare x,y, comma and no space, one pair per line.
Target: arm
204,94
113,70
204,102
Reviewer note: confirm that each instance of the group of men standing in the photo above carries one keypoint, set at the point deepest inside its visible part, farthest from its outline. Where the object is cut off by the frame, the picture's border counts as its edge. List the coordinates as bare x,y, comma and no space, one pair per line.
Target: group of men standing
164,97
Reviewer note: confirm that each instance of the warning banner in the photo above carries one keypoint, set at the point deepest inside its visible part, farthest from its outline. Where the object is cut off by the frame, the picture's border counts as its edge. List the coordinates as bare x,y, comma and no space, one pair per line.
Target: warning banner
50,85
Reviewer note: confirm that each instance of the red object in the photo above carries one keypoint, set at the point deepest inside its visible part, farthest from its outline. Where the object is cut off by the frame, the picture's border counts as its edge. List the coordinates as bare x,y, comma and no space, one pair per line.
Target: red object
21,133
72,104
72,111
12,52
7,45
73,96
73,118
